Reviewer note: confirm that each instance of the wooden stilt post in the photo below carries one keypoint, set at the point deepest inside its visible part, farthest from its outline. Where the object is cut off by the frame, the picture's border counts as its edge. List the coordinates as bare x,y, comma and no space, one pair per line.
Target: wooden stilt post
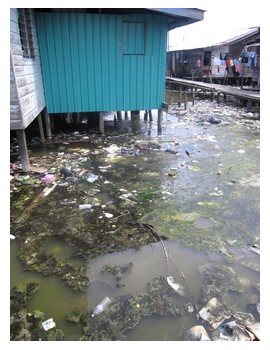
218,97
126,115
119,116
192,91
101,123
23,150
47,124
135,115
180,95
78,118
145,116
68,118
40,125
159,121
248,105
185,99
150,116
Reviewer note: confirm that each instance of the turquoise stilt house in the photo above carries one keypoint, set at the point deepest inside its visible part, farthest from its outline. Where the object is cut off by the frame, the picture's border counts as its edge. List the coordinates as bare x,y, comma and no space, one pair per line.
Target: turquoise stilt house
107,59
87,60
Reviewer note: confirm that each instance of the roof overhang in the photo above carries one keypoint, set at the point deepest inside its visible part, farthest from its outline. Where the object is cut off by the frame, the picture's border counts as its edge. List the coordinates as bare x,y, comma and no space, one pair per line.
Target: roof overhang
179,17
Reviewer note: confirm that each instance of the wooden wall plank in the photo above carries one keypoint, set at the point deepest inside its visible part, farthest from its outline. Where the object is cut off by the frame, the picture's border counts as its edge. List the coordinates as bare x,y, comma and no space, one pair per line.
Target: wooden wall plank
27,82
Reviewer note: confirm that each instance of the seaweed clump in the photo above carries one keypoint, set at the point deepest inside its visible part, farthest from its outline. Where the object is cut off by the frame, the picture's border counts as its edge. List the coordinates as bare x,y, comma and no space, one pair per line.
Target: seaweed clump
125,312
26,325
117,271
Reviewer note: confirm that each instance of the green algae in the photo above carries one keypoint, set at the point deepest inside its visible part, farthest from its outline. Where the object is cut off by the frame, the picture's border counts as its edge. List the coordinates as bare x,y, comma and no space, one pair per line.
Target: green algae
125,312
24,324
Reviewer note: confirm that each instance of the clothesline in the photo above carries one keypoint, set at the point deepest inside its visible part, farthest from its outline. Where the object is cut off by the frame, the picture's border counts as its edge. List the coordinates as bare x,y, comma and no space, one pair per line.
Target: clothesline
251,56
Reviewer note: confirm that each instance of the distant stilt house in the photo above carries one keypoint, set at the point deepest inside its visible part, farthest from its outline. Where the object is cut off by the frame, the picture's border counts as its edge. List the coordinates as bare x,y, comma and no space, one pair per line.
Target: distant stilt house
234,62
87,60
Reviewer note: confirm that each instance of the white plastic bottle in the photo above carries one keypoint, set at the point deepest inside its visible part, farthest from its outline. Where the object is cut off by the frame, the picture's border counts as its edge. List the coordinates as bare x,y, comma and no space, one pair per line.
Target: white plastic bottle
101,306
85,206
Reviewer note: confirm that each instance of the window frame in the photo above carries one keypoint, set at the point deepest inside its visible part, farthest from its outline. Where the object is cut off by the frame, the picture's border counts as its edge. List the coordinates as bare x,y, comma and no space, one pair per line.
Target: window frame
25,31
143,53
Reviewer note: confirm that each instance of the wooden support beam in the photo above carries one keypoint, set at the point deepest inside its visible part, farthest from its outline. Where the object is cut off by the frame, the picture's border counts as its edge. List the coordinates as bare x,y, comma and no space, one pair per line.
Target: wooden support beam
23,150
101,123
78,118
68,118
159,121
180,95
126,115
145,117
135,115
119,116
40,125
192,92
47,123
218,97
150,115
185,99
248,105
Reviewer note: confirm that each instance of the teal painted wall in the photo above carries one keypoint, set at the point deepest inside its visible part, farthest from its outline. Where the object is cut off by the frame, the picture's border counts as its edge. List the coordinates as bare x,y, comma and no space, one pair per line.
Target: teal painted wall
94,62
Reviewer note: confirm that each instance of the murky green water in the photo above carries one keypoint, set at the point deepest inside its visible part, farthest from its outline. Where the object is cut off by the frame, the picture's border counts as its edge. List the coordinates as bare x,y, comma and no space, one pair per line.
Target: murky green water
203,196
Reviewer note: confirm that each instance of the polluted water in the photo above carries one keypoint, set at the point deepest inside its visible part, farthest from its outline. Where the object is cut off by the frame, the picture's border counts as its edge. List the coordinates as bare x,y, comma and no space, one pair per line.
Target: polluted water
142,229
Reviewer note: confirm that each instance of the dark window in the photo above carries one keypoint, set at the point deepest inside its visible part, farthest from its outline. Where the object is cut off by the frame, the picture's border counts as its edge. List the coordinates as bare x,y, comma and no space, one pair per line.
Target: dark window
26,33
133,38
207,58
223,55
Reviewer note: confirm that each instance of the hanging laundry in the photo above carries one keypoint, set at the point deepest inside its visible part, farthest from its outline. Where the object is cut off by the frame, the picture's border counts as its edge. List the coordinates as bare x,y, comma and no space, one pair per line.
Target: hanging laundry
238,67
252,61
235,61
231,63
222,62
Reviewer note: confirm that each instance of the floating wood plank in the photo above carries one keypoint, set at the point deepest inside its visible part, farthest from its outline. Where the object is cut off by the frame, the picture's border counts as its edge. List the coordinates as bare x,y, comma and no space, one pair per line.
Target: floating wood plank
37,199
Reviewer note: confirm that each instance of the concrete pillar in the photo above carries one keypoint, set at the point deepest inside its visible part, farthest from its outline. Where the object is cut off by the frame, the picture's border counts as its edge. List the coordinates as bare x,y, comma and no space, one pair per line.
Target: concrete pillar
23,150
101,123
41,128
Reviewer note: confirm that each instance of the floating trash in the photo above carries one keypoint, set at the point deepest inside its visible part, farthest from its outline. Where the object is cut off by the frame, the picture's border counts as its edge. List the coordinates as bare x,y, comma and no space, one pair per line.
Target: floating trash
197,333
48,324
213,313
176,286
92,178
101,307
48,178
108,215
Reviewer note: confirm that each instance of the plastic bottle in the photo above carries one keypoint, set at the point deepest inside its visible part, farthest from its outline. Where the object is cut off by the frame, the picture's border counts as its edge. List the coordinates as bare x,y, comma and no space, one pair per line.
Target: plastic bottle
101,306
85,206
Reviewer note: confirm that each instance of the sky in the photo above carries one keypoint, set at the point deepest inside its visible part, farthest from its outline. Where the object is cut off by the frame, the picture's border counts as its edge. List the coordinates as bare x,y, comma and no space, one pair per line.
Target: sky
222,20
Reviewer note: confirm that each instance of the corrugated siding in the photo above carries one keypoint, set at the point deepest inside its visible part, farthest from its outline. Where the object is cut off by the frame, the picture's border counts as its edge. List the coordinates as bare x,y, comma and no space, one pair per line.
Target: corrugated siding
87,65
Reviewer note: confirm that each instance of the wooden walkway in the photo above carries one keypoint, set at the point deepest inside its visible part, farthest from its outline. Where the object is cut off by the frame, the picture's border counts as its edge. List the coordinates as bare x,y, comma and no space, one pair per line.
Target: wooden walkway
217,89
